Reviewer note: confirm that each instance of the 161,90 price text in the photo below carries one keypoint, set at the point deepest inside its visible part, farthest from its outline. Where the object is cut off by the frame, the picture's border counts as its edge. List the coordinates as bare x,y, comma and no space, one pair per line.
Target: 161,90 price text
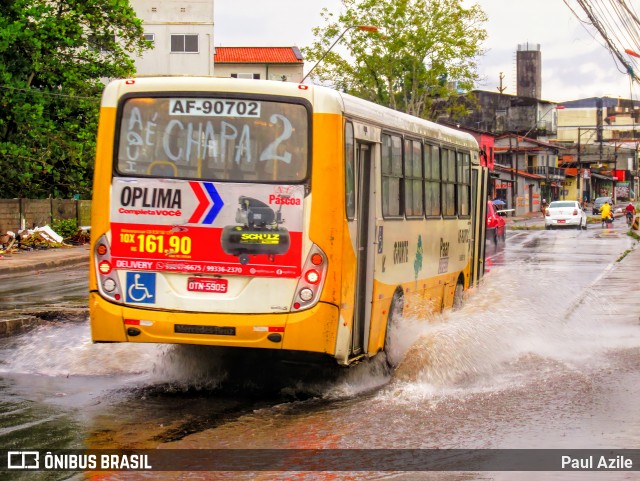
150,244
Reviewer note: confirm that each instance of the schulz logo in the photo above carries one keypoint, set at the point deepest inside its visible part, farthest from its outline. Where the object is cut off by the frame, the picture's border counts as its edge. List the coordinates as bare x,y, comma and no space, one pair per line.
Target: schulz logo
23,460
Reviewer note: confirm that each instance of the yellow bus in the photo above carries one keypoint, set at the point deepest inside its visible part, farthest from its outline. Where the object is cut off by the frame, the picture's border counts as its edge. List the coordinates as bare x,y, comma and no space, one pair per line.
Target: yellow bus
275,215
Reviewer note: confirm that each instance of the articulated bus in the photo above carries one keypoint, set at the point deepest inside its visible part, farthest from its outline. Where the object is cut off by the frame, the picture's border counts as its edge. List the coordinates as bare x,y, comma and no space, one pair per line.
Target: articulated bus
275,215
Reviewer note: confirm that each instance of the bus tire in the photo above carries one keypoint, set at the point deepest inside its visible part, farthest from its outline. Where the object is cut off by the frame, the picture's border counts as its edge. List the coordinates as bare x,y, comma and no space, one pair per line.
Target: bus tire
458,296
395,313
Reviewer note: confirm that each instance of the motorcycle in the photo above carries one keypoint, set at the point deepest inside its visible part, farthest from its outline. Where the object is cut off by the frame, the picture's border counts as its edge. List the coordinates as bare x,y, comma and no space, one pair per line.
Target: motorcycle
607,221
629,218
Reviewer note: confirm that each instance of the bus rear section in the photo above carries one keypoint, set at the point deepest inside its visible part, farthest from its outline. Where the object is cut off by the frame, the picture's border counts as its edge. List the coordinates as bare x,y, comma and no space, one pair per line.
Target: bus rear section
201,216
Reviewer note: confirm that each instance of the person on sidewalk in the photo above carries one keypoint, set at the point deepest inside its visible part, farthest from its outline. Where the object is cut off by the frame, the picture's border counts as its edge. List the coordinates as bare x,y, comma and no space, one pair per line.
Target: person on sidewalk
543,207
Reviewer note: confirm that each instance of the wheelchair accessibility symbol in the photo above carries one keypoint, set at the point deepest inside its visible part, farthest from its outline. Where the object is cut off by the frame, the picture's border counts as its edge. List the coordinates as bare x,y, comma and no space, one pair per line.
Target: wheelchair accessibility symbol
141,287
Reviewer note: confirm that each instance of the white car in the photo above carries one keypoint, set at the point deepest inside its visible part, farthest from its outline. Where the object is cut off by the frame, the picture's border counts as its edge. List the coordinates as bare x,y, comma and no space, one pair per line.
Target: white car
565,213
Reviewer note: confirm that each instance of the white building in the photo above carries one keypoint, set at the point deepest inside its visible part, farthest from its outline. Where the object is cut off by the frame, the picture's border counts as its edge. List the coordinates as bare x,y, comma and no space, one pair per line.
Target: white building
182,36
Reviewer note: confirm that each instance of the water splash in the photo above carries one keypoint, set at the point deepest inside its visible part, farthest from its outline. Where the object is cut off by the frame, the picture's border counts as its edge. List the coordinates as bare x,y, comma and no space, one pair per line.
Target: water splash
506,331
67,350
185,367
63,350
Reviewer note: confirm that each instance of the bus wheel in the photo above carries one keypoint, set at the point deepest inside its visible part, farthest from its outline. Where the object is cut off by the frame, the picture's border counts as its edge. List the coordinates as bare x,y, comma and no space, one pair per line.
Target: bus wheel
395,313
458,296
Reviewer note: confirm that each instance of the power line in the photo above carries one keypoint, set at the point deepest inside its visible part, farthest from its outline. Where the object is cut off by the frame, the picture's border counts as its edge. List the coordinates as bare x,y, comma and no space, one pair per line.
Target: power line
51,94
617,25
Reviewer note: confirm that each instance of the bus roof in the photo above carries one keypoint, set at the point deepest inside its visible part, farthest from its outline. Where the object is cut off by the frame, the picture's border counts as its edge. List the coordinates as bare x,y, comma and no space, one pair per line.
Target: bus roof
323,99
389,118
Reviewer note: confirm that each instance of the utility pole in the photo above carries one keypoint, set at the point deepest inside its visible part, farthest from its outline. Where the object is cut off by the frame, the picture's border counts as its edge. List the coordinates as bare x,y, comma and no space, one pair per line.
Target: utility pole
579,171
501,88
599,125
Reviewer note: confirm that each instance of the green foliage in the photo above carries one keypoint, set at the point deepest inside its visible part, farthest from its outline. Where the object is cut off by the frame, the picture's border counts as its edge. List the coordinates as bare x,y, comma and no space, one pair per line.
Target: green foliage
66,228
54,56
423,50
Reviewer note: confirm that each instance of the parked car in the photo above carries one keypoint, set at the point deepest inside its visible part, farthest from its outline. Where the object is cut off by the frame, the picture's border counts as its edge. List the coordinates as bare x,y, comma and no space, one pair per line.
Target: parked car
565,213
598,203
496,224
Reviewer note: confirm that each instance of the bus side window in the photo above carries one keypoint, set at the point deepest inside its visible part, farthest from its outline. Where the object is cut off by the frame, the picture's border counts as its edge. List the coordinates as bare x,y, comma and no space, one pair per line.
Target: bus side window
391,176
464,183
413,179
432,179
448,182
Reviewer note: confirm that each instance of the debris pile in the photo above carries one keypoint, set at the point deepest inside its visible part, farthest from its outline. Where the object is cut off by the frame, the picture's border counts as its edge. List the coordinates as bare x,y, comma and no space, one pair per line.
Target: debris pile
40,238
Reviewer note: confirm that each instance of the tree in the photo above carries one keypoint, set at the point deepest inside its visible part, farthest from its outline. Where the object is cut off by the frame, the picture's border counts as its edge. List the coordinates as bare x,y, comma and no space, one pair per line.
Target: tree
424,49
54,57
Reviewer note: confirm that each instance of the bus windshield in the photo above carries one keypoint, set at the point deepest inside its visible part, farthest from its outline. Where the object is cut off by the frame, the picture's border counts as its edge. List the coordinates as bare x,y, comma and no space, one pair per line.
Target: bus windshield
213,138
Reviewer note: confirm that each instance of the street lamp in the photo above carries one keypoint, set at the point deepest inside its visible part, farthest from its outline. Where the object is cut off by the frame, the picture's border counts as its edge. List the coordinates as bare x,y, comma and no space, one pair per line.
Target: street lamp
365,28
633,53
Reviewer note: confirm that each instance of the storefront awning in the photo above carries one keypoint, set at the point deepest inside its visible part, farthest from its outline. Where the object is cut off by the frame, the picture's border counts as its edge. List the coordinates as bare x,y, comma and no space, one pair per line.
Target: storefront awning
603,177
520,173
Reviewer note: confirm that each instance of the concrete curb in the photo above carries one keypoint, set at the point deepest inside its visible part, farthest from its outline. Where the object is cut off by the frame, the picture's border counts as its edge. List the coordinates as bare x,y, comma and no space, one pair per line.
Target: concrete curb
12,327
26,321
28,262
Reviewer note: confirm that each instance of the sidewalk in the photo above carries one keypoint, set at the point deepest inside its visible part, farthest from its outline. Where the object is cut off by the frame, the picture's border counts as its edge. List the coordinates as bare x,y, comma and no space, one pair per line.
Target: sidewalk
531,219
25,262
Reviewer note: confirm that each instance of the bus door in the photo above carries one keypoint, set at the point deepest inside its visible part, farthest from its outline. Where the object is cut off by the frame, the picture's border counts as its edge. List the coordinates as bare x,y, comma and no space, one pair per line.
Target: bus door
479,184
363,227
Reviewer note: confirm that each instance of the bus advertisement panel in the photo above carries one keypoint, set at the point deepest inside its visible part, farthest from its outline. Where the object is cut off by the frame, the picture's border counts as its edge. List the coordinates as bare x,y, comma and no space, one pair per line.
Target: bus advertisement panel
207,227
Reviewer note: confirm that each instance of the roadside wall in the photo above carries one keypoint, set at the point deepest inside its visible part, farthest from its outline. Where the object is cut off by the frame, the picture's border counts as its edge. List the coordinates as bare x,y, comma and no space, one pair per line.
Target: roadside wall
16,214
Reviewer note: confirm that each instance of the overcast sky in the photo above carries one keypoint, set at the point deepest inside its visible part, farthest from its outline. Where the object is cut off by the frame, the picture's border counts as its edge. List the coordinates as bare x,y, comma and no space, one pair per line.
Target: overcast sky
574,63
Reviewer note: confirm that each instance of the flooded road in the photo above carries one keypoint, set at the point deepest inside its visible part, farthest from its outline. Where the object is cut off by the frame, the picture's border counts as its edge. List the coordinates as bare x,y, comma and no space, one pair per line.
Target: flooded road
41,287
546,354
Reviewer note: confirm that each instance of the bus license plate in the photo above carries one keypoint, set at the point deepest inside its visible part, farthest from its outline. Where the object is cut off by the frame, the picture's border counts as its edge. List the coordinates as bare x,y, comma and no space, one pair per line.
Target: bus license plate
205,284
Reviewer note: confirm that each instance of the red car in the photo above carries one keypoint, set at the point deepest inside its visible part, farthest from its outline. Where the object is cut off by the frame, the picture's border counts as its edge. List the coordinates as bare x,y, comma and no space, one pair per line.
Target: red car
495,224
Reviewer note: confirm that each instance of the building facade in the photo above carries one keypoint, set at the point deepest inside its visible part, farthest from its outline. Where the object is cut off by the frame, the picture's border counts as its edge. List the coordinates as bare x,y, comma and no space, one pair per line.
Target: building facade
503,113
527,172
603,137
182,37
526,161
